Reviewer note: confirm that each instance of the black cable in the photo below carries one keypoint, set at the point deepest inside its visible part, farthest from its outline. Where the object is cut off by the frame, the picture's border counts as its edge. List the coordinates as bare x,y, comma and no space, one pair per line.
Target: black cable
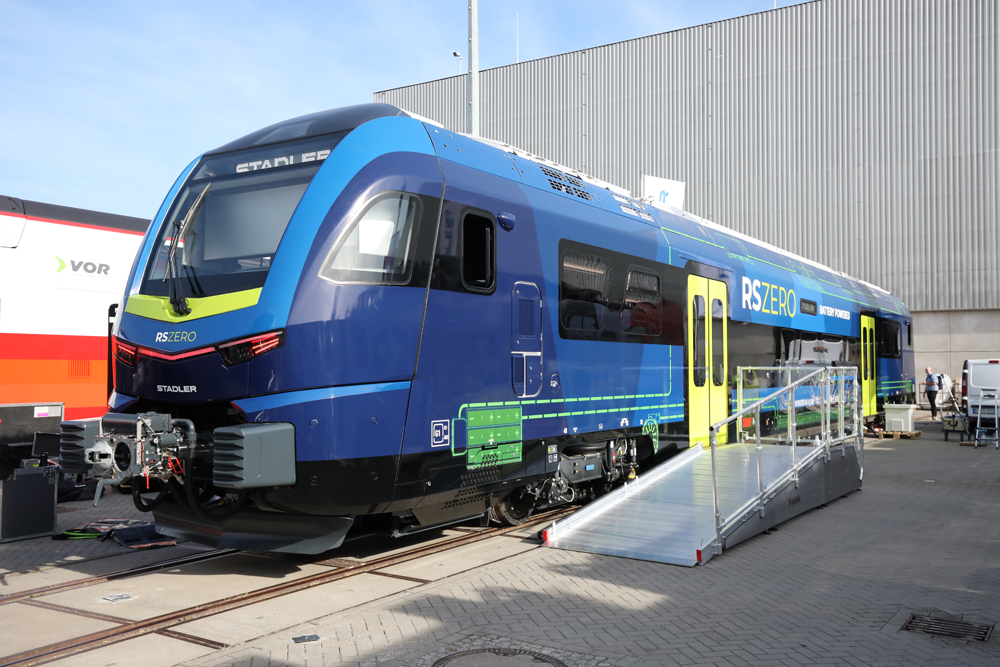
202,512
190,485
142,505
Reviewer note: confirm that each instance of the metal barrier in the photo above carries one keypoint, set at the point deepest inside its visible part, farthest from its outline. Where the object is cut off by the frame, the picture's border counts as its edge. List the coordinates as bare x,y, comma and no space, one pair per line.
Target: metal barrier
838,389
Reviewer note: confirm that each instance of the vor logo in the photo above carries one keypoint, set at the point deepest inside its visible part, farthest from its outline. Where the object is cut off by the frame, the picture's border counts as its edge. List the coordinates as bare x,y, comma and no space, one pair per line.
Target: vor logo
88,267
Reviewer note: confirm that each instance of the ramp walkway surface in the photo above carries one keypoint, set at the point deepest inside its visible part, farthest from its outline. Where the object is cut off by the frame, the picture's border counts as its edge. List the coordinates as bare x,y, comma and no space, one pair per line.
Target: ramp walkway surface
668,515
702,500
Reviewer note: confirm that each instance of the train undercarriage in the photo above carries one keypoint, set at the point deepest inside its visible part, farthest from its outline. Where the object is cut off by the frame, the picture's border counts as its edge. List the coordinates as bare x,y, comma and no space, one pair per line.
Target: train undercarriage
226,487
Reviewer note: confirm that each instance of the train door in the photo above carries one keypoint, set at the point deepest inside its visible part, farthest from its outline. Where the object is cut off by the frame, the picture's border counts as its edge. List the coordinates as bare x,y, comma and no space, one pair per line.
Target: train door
707,358
868,373
526,339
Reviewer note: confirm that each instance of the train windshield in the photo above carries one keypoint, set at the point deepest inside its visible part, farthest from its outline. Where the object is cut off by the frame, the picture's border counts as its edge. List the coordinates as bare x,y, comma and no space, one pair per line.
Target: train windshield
224,227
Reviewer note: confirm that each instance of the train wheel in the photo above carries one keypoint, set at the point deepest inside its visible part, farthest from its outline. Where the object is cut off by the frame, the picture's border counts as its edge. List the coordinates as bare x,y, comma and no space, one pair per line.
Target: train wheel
513,509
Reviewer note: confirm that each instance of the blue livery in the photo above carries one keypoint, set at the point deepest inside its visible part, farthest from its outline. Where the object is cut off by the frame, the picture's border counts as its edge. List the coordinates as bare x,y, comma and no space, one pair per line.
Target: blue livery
450,328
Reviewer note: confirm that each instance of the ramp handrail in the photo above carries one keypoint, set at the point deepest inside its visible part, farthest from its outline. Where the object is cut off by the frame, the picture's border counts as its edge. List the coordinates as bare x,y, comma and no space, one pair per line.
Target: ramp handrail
825,375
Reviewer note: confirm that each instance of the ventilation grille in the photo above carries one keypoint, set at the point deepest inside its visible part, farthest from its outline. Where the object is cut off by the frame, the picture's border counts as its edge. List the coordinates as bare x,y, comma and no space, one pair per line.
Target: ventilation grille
526,328
633,207
228,467
565,183
74,439
79,369
631,210
948,628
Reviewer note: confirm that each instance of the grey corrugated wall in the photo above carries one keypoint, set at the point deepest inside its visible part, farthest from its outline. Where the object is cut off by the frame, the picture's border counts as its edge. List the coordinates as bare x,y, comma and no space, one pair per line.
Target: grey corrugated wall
862,134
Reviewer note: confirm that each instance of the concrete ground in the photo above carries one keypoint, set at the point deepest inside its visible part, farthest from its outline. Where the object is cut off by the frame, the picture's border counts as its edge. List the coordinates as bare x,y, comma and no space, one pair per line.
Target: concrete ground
832,586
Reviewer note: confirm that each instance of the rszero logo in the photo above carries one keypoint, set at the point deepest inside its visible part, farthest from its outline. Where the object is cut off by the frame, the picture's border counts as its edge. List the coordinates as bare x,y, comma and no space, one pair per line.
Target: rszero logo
776,300
176,336
88,267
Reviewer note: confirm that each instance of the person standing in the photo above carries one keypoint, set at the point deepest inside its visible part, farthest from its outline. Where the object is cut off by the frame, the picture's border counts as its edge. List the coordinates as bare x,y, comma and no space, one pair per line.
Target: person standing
931,389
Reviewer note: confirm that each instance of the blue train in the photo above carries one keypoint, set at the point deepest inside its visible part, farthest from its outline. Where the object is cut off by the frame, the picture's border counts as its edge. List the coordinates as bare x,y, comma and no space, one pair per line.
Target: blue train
358,321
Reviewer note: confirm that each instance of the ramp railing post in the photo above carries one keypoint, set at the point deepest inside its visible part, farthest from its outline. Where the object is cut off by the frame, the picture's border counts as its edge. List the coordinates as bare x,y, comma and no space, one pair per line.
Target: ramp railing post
858,434
795,436
760,463
712,438
827,409
840,413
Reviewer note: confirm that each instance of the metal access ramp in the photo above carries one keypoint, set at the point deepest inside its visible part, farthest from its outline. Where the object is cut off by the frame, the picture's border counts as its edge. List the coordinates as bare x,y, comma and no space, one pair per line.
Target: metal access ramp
689,508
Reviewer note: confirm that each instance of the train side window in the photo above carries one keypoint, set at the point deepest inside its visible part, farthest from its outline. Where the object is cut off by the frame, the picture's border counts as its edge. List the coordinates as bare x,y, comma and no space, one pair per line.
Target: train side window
478,253
718,322
376,249
699,341
641,308
583,290
890,340
909,334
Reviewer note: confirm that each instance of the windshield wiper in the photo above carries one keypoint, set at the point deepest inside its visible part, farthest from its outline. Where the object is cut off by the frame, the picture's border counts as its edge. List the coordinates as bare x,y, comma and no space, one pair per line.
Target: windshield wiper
172,270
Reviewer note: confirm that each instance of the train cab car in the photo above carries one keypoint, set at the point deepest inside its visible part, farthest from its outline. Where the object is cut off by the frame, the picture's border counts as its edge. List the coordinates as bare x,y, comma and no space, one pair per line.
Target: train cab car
357,320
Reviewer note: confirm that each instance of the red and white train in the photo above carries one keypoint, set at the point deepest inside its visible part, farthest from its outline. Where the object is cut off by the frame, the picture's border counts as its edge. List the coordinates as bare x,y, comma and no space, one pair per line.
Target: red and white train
61,269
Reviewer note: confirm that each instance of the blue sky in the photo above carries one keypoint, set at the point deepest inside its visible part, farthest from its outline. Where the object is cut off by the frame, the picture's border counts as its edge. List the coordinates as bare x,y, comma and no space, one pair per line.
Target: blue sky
103,103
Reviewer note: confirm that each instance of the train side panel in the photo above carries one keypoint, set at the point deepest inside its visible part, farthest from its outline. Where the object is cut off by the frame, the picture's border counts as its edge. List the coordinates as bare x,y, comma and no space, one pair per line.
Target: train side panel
57,282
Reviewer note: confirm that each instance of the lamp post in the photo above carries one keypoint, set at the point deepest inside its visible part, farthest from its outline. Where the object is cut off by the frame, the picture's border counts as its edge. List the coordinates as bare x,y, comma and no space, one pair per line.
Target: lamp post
472,86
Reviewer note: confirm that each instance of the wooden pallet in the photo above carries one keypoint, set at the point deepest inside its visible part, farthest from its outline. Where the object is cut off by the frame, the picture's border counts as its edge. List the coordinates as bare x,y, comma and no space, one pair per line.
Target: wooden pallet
896,435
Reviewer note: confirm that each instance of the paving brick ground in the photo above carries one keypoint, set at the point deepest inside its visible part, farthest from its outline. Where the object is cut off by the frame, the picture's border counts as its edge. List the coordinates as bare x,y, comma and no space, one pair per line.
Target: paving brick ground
38,553
831,587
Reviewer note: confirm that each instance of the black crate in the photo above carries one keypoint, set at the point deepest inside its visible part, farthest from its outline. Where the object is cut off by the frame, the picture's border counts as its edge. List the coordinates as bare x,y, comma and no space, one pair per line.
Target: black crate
28,503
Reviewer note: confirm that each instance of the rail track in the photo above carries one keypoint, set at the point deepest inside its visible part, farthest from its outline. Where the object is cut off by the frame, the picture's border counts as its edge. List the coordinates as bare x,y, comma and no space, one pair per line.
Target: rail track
163,623
113,576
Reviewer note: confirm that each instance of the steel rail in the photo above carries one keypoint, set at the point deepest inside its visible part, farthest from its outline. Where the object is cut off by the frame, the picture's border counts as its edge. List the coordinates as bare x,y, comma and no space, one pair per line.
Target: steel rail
112,576
134,629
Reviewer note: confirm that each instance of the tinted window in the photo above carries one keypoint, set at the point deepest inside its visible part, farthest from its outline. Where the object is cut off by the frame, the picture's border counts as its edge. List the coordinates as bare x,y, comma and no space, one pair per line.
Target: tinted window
641,308
805,348
584,290
890,342
718,322
477,252
698,317
864,351
377,247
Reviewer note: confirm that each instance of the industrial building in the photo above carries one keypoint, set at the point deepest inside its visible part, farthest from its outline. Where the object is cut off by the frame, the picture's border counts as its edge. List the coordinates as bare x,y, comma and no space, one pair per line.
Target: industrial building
862,134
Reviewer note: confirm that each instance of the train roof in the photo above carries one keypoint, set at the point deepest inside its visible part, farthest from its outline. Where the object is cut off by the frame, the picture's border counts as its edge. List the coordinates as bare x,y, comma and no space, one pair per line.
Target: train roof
66,214
313,125
614,189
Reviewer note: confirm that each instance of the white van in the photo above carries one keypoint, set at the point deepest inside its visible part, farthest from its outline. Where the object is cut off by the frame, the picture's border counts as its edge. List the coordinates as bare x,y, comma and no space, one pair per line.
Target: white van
977,375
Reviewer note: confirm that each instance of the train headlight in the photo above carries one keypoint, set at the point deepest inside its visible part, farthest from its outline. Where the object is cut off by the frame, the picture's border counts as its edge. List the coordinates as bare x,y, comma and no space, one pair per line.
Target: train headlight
241,351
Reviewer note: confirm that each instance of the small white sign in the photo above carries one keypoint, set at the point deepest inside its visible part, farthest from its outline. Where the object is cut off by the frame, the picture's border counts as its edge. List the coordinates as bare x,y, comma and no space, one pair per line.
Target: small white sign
48,411
440,433
663,192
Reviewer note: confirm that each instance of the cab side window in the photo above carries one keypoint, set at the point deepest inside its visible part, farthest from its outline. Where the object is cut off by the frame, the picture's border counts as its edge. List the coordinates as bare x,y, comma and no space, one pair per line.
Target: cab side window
478,253
377,247
465,258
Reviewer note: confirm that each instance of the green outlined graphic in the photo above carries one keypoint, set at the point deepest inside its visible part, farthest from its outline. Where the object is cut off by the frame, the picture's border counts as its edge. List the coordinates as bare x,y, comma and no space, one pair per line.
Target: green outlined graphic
491,433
